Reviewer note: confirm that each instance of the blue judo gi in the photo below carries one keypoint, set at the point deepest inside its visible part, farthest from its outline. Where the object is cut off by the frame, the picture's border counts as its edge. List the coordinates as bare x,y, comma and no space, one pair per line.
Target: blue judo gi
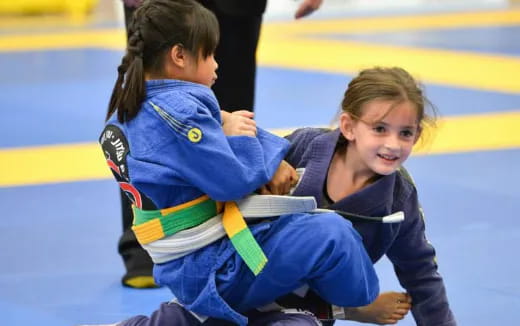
174,151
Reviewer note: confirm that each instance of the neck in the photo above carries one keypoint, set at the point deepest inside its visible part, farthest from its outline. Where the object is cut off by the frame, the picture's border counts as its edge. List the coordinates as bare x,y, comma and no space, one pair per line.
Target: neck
151,76
347,175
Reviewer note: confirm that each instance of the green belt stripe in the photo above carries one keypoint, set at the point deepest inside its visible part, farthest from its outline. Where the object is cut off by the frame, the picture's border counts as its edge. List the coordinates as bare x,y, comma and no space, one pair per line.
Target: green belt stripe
244,242
247,247
180,220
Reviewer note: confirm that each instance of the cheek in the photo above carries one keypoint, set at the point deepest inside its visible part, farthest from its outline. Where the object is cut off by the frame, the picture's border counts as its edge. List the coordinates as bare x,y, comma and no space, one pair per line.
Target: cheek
368,146
407,149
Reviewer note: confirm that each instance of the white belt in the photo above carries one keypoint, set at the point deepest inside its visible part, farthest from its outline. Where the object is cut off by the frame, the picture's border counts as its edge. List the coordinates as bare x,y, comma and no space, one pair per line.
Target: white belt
252,207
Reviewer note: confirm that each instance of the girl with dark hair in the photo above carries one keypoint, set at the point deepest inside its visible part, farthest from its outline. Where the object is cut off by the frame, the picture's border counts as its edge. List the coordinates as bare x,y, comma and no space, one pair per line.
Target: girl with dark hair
240,24
184,164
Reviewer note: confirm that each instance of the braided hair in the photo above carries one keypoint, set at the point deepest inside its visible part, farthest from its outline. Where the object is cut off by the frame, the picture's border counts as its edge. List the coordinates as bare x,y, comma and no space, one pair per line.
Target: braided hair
157,26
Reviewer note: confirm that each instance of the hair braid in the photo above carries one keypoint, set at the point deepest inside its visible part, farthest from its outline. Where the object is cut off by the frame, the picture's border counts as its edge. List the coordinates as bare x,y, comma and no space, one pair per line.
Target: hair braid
129,89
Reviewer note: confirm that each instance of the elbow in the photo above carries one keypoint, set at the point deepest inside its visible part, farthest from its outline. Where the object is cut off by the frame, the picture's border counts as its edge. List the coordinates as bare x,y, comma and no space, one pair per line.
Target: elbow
228,194
237,186
232,191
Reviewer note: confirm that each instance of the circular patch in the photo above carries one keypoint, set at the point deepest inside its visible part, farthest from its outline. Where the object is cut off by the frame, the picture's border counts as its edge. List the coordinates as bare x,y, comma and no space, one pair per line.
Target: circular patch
194,135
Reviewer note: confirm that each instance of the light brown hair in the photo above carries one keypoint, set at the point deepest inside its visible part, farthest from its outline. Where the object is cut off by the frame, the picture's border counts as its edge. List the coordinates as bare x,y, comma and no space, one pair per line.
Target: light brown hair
386,83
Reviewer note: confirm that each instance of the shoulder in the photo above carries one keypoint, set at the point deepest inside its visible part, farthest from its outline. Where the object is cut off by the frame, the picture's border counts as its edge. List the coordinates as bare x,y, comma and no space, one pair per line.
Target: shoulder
176,109
184,105
302,141
305,135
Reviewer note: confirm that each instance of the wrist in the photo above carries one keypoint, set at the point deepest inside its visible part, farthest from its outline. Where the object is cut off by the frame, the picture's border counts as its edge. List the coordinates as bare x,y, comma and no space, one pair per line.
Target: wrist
224,116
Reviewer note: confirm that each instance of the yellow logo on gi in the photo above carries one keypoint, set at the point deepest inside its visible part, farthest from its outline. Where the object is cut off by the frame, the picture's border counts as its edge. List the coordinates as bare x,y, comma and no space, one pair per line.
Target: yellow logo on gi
194,135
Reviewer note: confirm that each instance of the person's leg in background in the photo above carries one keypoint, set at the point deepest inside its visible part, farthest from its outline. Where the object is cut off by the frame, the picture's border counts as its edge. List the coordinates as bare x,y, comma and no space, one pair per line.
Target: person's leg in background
236,57
138,263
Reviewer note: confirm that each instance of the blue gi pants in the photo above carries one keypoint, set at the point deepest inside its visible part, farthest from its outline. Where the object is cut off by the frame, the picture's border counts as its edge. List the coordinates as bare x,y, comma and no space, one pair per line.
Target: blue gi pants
321,250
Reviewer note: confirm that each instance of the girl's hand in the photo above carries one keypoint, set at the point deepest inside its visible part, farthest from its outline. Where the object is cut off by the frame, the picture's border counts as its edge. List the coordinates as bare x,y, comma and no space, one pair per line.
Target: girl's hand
388,308
238,123
283,180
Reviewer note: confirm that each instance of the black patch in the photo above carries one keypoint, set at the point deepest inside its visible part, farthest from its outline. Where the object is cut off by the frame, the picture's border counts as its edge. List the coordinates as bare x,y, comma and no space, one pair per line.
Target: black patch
115,148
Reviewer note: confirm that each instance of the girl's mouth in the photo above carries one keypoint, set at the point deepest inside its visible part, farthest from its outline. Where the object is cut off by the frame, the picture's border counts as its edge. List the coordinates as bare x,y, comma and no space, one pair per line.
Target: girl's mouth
389,158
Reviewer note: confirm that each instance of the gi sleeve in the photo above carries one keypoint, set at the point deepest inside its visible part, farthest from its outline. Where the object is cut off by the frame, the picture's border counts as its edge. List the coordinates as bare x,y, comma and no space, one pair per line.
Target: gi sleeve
300,140
415,265
223,167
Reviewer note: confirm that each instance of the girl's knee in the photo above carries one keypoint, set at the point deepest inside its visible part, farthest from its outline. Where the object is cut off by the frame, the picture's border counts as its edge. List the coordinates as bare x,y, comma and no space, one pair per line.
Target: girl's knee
322,239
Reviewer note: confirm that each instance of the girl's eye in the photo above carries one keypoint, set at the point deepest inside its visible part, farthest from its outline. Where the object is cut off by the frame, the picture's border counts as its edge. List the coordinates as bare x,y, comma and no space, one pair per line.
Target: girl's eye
407,133
379,129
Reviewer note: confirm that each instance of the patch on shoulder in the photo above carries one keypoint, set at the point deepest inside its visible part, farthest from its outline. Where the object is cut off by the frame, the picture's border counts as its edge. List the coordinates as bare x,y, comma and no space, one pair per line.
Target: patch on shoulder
115,147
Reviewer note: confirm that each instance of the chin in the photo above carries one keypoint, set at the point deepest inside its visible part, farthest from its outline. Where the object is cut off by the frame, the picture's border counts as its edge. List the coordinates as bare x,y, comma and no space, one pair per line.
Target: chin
385,170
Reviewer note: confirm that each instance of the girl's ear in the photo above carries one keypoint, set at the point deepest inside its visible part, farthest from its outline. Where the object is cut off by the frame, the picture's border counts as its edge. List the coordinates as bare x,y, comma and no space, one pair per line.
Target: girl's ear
178,56
346,123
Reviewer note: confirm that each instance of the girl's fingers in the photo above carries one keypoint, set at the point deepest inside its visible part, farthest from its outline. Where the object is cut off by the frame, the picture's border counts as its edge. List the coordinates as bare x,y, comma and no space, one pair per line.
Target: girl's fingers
275,190
404,305
287,187
249,122
294,177
407,298
248,131
248,126
397,315
400,312
245,113
265,191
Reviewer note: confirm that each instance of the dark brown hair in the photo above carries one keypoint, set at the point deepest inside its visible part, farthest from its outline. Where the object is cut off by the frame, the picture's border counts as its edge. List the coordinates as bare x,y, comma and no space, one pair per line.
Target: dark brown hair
157,26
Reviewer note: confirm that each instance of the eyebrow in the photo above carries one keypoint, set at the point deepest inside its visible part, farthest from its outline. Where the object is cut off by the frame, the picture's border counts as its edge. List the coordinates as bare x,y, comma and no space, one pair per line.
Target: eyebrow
386,124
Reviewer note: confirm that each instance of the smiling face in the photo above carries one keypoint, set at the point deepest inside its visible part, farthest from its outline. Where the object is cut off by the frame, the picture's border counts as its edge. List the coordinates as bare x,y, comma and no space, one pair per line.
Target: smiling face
382,138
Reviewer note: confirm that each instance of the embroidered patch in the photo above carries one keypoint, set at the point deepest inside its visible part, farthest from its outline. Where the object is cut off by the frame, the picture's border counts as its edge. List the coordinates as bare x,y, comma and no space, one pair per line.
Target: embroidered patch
115,147
194,135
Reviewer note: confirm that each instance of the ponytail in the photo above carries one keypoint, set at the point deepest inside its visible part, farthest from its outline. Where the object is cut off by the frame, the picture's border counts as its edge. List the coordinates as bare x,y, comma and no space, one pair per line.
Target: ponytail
129,89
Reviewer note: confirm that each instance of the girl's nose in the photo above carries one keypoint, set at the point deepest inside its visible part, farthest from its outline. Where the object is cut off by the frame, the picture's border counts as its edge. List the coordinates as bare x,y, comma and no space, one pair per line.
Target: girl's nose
392,142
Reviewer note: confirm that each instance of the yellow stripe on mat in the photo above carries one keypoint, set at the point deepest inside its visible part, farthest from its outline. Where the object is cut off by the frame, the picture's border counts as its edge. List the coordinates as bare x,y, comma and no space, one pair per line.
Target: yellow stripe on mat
297,44
52,164
85,161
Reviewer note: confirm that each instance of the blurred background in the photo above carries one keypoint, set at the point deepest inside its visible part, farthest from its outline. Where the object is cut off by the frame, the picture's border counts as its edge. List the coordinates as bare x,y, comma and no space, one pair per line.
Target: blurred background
61,222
